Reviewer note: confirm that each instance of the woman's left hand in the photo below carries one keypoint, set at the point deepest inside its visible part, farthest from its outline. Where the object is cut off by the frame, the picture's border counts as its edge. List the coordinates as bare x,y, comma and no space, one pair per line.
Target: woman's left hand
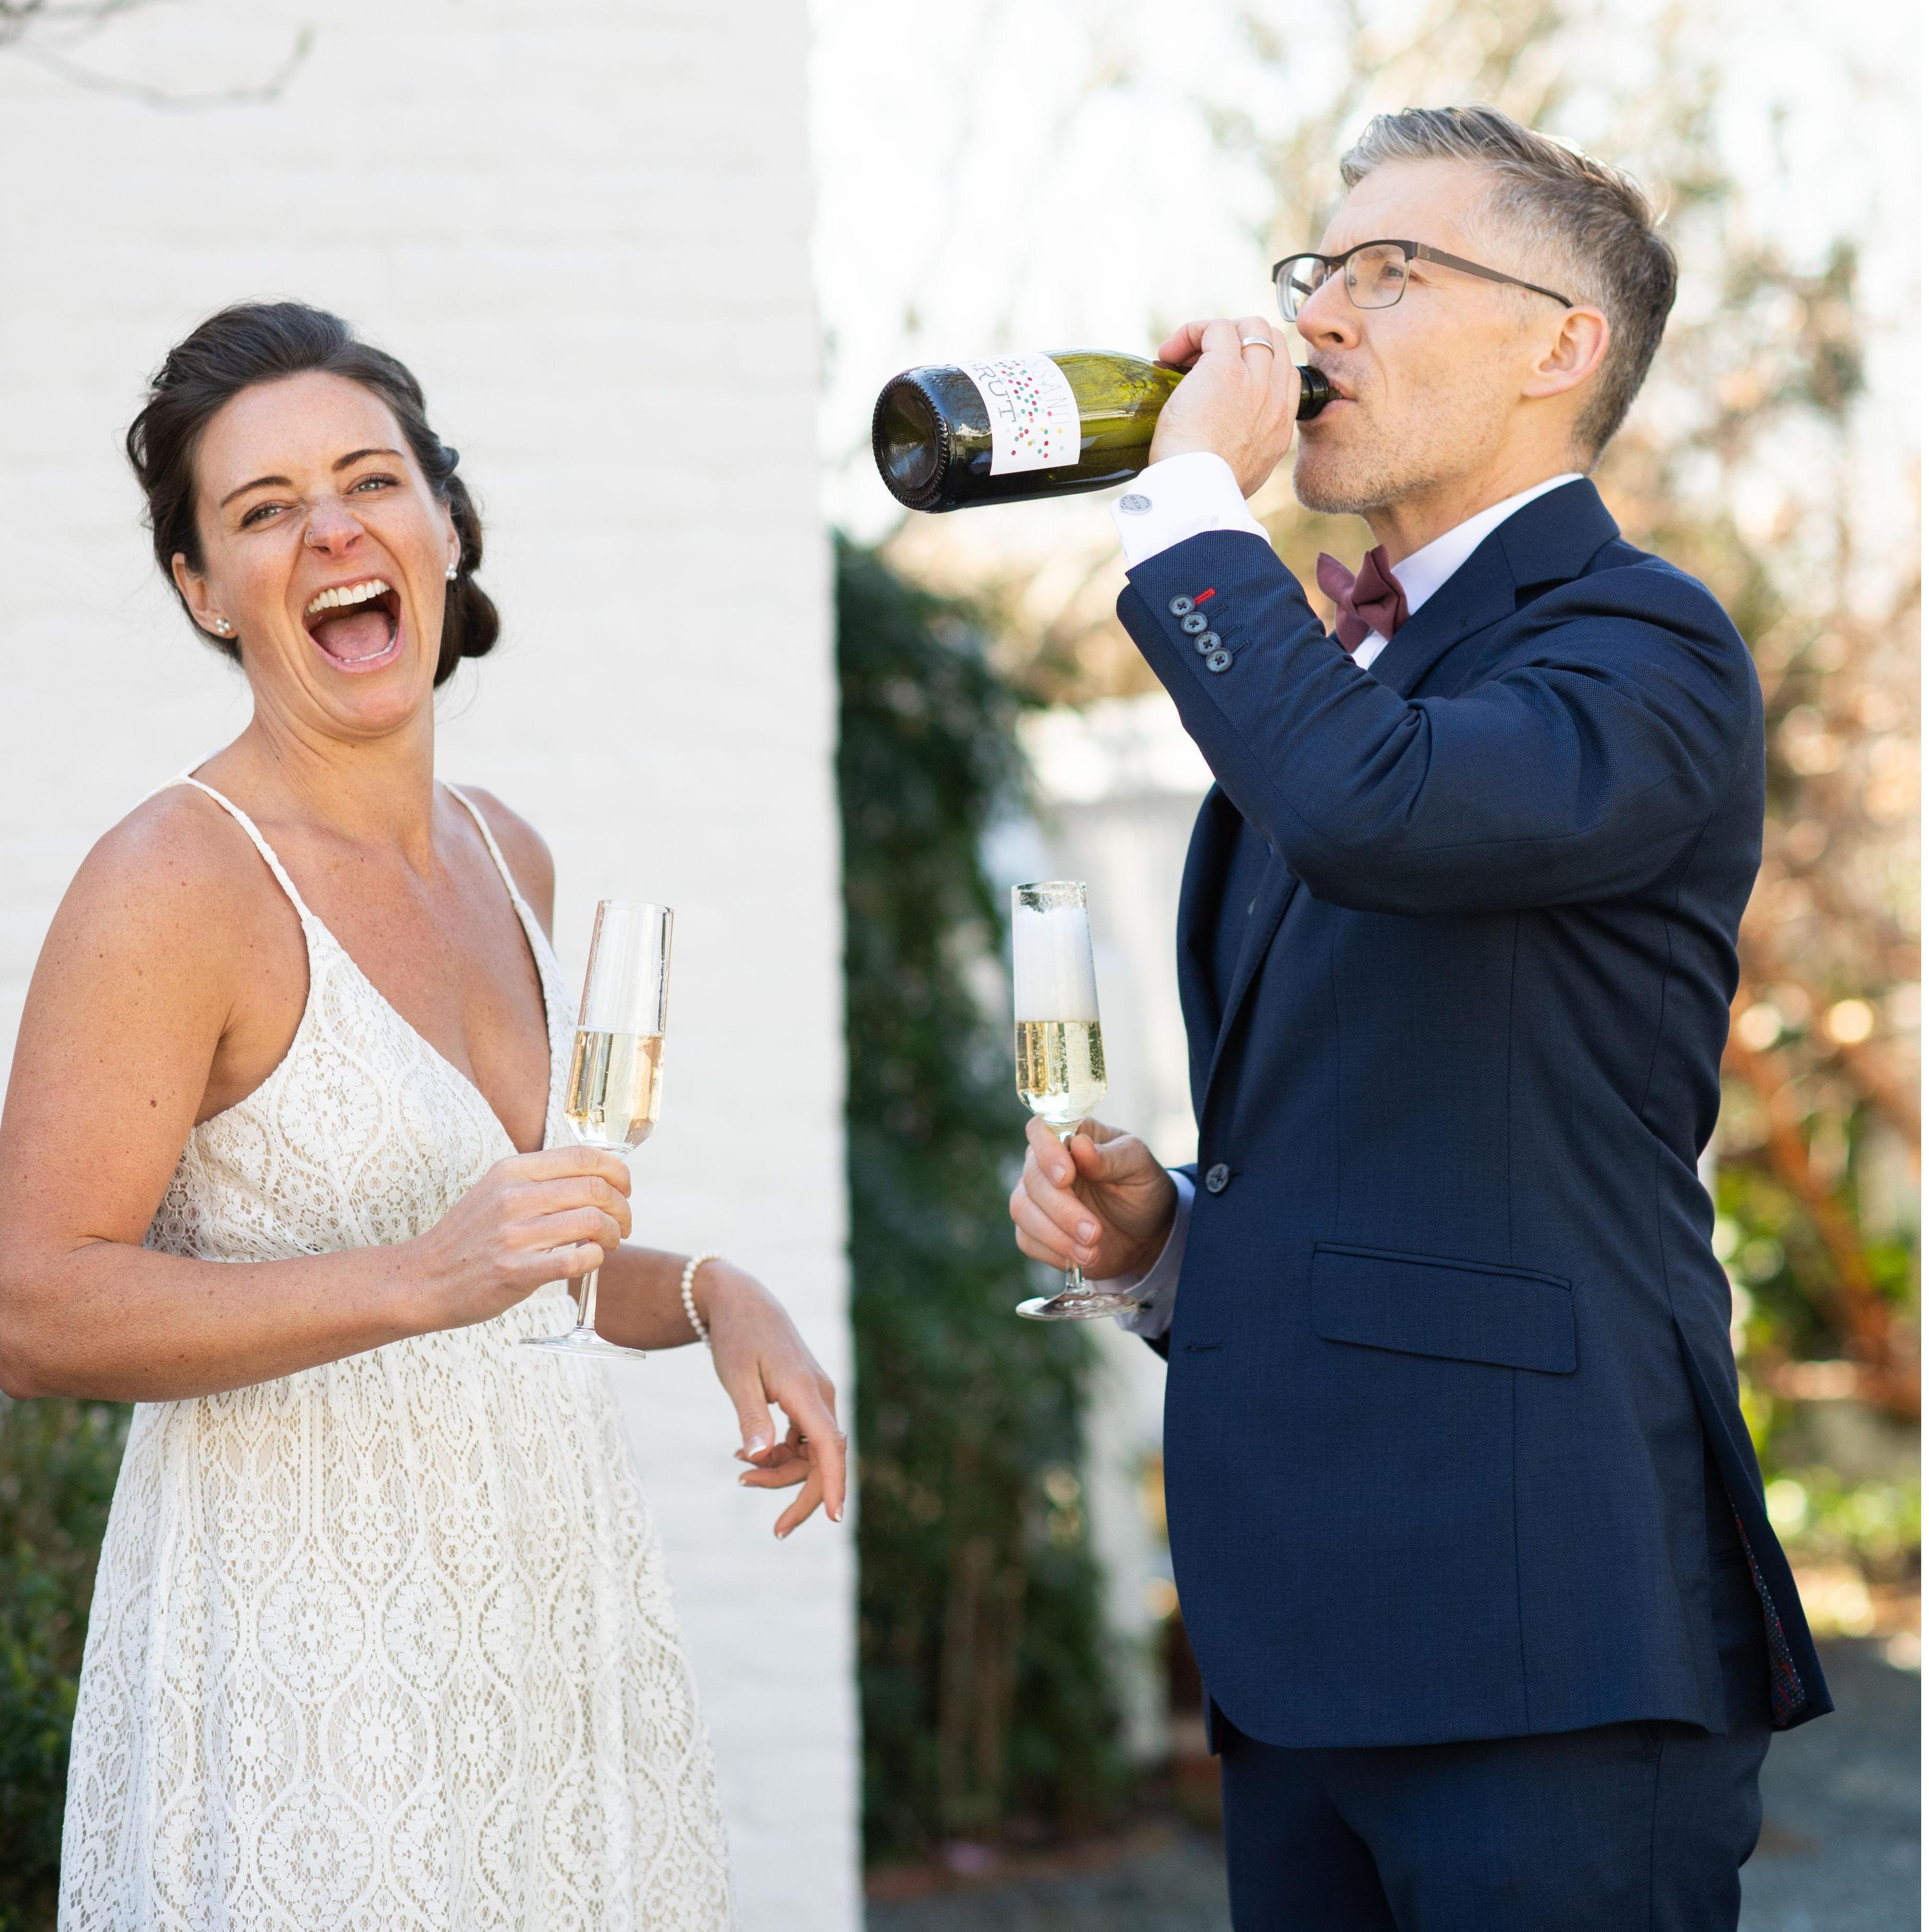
761,1359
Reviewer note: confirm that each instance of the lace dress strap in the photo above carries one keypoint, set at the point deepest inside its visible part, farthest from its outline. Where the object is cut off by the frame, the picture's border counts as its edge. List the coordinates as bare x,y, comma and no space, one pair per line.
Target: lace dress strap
254,831
474,811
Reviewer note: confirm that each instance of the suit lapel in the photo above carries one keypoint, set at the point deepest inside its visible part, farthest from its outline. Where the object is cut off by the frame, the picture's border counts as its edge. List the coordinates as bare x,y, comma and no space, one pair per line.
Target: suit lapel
1201,888
1550,540
1277,888
1479,593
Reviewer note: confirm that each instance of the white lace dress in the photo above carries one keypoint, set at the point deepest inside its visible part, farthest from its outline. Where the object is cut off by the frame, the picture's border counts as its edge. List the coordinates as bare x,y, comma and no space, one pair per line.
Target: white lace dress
388,1644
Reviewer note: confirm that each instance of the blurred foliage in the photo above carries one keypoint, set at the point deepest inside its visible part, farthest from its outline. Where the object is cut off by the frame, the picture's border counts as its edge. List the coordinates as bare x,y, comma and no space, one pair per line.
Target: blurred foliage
984,1692
1877,1524
57,1463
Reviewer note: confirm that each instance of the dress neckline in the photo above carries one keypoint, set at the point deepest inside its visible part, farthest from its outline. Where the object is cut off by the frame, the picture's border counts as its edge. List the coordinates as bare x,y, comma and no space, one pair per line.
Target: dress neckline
312,924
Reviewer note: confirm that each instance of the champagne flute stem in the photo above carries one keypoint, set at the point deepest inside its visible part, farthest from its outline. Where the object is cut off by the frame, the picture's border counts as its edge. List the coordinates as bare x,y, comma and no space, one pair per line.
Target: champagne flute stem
1075,1274
586,1307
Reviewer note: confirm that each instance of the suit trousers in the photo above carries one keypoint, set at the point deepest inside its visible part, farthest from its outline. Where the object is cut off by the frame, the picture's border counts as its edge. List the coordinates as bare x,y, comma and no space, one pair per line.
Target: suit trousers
1639,1827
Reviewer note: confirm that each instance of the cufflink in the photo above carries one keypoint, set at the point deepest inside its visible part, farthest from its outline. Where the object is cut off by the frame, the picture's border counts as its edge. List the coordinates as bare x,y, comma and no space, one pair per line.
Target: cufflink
1135,505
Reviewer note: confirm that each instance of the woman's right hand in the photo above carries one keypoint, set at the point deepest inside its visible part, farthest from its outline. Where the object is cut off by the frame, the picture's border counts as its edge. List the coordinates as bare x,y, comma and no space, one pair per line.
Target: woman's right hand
549,1215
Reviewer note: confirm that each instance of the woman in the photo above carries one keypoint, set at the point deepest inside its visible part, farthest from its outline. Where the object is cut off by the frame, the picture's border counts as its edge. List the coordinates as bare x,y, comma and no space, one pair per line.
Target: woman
381,1636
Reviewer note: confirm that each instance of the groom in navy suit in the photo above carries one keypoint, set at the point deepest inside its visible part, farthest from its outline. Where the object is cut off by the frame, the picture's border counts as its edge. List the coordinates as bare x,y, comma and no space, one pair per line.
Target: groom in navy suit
1468,1530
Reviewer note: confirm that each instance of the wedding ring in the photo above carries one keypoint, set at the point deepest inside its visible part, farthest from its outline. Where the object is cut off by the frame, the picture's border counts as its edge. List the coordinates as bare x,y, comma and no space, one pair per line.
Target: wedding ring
1259,342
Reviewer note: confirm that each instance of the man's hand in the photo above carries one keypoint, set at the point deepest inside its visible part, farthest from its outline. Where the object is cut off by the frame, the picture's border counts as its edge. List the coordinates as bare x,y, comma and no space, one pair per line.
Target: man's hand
1238,402
1100,1201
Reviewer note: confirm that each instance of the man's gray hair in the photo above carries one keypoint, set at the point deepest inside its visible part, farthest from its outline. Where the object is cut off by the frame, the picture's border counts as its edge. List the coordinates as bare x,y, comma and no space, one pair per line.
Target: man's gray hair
1591,220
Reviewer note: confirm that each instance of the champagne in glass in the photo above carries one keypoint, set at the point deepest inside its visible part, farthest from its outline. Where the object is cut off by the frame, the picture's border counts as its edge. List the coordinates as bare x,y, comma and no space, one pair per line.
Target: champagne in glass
616,1072
1061,1051
615,1086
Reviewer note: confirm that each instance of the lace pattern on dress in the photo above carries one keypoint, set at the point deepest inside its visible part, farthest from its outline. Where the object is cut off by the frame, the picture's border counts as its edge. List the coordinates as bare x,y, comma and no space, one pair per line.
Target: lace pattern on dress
388,1643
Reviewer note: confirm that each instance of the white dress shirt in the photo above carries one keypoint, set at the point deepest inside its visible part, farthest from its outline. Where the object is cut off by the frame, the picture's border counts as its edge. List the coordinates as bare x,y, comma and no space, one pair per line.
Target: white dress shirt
1185,496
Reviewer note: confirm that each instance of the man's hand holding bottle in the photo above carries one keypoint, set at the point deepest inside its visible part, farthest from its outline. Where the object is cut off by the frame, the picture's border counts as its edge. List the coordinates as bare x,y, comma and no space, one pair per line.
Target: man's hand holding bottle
1240,399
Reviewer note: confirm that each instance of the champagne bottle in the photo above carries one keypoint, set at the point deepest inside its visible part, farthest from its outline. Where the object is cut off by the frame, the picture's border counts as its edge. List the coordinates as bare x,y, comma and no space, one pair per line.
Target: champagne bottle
948,435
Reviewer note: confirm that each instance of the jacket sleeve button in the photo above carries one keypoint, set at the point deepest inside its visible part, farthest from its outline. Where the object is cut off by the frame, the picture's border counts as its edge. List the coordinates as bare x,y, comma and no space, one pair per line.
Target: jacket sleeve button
1194,624
1217,1176
1219,660
1206,645
1179,606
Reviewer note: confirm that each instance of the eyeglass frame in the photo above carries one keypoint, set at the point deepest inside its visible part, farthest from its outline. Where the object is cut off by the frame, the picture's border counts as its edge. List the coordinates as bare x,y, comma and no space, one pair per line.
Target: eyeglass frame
1413,251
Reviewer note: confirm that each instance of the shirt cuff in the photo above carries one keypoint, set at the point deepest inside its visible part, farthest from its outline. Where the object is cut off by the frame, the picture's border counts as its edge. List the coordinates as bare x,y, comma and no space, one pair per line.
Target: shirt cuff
1158,1286
1180,498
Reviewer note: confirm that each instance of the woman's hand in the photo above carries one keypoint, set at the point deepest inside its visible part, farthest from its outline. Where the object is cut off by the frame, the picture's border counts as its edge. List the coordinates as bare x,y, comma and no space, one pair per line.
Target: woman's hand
1102,1201
549,1215
761,1359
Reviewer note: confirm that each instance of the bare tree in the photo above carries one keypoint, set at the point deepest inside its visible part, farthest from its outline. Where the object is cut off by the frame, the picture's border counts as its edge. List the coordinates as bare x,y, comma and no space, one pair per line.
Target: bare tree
20,18
46,32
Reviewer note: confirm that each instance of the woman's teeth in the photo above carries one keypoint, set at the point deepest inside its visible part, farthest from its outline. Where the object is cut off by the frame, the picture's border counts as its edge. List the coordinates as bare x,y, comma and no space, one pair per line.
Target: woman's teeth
351,593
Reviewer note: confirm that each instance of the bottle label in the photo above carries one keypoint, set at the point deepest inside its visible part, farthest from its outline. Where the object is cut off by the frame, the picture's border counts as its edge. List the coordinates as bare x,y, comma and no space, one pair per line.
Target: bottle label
1033,415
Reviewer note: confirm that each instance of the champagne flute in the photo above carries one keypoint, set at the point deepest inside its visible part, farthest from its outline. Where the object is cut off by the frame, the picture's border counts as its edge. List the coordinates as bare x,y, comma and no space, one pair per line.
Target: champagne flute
1061,1051
615,1073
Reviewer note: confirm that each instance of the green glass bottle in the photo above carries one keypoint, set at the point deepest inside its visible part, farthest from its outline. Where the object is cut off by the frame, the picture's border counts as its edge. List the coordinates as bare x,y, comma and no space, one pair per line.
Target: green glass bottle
950,435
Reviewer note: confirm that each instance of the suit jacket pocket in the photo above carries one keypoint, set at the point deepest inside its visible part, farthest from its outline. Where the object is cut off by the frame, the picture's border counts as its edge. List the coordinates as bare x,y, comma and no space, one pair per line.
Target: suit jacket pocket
1424,1305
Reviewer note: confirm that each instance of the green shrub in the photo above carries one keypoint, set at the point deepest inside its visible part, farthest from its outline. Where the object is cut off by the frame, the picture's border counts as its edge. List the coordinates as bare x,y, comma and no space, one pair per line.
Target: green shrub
57,1463
983,1694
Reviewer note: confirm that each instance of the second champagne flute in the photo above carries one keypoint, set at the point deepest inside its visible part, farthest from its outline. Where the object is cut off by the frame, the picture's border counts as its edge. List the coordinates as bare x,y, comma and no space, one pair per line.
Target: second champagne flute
615,1073
1061,1051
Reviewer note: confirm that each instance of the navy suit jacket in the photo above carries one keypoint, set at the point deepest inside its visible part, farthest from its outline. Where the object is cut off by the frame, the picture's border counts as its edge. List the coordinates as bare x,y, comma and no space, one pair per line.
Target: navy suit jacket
1450,1349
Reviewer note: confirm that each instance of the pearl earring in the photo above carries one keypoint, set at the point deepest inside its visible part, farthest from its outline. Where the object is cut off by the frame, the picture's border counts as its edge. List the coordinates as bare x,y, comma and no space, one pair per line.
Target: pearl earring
453,572
223,628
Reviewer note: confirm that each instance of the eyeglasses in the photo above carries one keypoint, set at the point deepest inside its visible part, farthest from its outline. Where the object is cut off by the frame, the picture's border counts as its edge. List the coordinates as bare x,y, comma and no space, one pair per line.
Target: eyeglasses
1376,274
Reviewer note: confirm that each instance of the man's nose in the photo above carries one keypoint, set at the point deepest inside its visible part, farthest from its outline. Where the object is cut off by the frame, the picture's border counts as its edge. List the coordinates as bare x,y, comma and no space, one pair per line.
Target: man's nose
1327,319
332,528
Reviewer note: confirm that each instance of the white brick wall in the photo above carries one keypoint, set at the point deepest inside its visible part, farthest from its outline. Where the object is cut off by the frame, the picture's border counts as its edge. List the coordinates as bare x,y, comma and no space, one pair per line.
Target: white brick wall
585,225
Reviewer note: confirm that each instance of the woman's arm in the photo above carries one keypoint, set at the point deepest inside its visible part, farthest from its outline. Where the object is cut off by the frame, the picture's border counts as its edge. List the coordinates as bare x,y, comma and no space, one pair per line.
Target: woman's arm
141,984
761,1359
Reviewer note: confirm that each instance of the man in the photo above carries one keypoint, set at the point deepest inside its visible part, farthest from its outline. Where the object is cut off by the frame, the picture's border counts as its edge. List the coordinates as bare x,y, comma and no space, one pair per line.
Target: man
1468,1530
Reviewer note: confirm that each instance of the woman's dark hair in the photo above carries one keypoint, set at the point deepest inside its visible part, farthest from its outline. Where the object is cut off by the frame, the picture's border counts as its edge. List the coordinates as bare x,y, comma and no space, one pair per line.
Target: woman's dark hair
261,342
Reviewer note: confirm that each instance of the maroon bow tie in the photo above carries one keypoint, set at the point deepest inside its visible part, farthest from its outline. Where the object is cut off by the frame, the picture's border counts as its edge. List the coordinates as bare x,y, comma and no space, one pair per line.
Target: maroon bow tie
1372,601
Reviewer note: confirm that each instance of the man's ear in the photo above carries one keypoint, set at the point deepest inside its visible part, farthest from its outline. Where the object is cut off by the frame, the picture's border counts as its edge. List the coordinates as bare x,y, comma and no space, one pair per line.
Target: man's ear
1573,354
193,589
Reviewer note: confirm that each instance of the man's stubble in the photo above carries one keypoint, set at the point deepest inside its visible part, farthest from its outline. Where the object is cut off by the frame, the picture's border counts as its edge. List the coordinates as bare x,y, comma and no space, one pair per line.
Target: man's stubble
1375,465
1439,424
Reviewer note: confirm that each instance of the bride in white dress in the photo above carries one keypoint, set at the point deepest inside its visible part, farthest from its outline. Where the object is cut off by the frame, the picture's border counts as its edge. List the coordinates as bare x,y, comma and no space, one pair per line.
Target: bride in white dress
381,1637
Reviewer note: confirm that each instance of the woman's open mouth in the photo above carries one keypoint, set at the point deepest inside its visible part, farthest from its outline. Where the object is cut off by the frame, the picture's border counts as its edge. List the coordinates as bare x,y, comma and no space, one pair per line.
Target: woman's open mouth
356,626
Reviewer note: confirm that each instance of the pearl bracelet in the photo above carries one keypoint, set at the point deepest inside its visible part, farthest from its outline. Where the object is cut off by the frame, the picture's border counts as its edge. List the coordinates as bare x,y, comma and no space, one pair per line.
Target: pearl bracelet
689,1268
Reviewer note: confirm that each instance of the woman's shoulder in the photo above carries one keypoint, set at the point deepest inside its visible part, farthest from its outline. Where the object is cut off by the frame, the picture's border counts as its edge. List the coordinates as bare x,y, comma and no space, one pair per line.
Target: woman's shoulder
175,884
524,851
176,840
